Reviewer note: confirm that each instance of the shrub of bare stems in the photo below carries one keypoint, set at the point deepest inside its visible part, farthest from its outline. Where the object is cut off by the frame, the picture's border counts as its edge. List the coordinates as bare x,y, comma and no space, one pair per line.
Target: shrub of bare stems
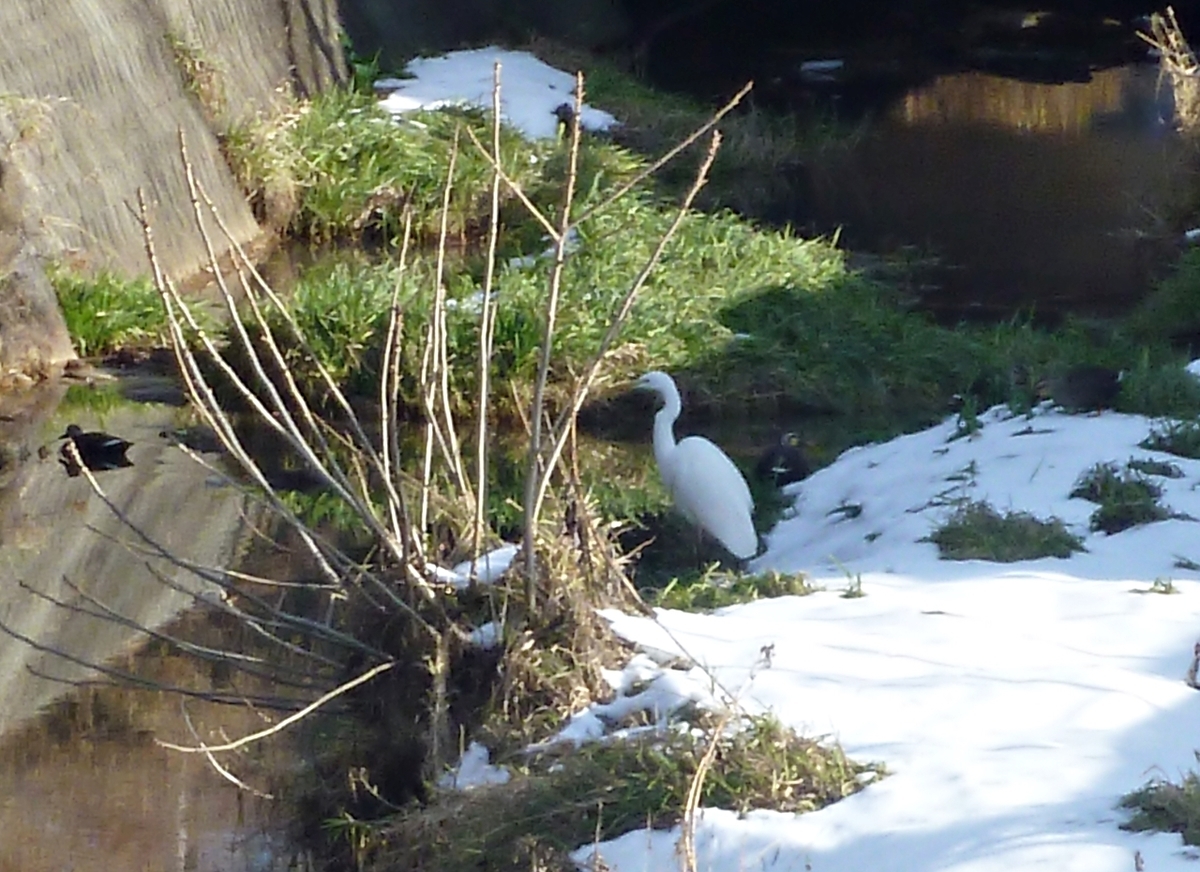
553,643
568,565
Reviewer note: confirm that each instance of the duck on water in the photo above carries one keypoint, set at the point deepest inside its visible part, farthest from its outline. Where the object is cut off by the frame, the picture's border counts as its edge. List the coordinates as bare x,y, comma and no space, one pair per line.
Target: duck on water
98,451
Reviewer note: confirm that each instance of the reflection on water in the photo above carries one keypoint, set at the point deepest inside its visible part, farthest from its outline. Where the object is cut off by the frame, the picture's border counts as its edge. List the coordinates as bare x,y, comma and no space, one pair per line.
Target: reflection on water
1034,195
82,786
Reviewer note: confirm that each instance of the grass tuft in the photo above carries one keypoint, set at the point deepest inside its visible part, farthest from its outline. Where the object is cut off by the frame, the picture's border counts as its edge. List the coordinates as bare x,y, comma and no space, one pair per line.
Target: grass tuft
105,312
1181,438
976,531
202,77
601,791
1161,468
1167,807
339,166
1126,498
716,590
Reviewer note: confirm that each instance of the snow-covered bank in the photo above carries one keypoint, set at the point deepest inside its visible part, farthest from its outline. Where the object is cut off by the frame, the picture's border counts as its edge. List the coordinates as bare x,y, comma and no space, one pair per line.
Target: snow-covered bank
1014,704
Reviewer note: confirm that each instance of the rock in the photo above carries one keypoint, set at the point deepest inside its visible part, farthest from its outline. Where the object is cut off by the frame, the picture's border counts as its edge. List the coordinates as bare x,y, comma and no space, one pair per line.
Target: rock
33,335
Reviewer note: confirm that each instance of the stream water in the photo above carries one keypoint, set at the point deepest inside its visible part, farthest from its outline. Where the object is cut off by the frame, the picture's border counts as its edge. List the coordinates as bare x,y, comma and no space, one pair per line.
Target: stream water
1026,158
1049,197
82,784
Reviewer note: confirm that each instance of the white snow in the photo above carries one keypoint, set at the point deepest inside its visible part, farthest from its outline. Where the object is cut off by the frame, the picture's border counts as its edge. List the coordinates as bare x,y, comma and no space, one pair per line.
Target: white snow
1013,704
474,770
530,90
486,636
487,569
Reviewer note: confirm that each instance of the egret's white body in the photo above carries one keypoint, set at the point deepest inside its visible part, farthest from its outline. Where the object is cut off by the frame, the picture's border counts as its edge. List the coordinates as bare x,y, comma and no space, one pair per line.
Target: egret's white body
705,485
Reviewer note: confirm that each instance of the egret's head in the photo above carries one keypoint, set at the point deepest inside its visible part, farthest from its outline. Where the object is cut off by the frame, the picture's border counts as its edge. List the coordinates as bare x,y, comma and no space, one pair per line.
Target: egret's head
656,381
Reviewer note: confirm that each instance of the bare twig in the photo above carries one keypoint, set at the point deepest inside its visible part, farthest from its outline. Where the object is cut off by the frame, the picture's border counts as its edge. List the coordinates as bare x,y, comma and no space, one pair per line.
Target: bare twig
212,760
533,470
487,325
286,722
691,805
583,385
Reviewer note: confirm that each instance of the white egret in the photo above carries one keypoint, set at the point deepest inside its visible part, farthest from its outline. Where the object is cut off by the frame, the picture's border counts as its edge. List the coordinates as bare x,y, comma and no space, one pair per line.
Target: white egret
705,485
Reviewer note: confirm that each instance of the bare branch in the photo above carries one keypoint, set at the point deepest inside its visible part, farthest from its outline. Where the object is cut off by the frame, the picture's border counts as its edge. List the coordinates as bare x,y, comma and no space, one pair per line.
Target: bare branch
288,721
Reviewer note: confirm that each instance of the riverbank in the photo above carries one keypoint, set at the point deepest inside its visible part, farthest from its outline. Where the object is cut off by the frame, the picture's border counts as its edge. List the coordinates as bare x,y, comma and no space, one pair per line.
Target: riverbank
755,321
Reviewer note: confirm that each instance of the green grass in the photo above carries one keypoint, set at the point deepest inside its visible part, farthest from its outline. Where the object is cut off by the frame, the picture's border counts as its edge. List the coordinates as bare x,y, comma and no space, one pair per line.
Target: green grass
976,531
763,154
99,399
714,590
105,312
1172,310
715,258
1181,438
840,346
757,318
339,166
1159,387
1160,468
1126,498
604,790
1167,807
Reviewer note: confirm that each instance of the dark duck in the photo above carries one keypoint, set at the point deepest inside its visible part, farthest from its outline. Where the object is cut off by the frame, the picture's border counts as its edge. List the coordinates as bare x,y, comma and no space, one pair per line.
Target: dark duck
1082,388
98,451
783,463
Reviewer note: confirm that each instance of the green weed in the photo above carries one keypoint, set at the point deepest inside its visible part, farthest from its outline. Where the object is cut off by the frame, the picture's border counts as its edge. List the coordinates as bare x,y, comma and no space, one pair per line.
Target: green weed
603,790
714,258
1172,310
340,166
1126,498
839,344
715,590
1181,438
99,399
202,77
365,70
105,312
1159,388
976,531
1167,807
1162,468
763,154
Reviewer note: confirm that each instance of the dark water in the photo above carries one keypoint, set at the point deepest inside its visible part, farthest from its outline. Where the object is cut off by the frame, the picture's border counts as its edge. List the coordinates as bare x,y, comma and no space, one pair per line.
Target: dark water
1055,198
82,784
1026,156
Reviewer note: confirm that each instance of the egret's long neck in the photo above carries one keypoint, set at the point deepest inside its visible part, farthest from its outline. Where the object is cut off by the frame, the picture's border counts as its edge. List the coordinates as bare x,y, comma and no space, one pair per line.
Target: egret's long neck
664,427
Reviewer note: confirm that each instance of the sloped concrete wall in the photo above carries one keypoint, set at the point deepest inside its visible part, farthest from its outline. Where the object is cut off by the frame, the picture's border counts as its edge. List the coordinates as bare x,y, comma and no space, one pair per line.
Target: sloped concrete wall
93,103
